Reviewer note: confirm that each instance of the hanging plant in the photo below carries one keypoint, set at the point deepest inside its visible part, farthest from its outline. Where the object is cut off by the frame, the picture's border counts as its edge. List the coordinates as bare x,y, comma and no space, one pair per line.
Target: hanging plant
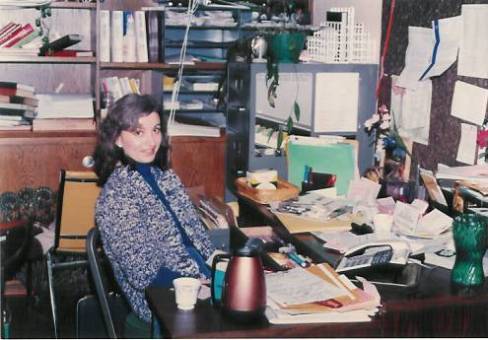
273,81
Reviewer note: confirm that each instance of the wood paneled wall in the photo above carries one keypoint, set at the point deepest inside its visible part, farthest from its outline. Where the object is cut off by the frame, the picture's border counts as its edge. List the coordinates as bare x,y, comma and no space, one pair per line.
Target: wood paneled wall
27,161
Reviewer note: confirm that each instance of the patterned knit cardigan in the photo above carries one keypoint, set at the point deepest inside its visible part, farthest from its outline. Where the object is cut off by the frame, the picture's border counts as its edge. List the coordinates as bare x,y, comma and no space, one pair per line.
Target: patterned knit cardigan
139,235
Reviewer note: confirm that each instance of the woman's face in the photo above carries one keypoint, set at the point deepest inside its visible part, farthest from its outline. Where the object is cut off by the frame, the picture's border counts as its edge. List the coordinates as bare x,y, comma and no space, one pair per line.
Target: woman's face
143,142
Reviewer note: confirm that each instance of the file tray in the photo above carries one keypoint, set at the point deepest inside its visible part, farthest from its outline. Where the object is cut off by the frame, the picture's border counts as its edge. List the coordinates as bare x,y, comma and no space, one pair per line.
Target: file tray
391,279
284,191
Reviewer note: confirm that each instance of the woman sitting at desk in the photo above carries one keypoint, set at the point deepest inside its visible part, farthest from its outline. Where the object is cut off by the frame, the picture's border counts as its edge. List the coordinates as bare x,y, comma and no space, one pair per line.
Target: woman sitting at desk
150,230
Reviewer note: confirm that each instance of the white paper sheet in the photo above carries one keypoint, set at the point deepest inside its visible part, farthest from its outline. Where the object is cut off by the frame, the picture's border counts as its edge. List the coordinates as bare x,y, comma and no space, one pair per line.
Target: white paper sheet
363,190
434,223
297,286
449,32
411,109
467,144
469,102
473,49
406,216
336,102
418,55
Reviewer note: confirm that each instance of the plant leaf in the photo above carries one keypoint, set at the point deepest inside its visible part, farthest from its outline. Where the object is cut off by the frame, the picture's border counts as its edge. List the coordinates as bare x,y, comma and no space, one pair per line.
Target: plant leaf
296,110
270,134
280,139
289,124
271,95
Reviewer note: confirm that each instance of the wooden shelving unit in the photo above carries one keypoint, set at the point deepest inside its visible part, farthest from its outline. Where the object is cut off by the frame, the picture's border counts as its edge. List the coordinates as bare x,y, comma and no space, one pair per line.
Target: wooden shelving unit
73,5
33,159
48,60
162,66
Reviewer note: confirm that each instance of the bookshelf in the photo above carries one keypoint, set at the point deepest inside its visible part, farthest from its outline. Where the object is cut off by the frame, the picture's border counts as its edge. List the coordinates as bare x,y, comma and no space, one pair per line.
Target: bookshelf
34,158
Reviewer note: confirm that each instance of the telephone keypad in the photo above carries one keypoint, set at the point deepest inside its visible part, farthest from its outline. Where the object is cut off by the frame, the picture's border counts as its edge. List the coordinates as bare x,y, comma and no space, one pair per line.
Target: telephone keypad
382,257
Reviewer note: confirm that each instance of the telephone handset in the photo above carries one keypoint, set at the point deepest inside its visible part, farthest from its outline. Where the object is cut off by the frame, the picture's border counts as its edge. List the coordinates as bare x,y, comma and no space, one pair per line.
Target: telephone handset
374,254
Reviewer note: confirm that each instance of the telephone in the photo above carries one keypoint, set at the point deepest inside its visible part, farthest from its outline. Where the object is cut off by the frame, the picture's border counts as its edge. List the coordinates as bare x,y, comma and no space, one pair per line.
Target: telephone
375,254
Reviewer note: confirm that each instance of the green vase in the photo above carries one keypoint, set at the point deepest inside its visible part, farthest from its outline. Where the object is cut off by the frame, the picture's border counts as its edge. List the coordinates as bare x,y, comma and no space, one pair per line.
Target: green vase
470,239
287,46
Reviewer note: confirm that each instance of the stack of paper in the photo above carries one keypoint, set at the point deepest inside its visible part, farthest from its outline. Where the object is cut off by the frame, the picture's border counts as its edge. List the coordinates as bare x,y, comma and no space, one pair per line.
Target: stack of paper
314,212
65,106
180,129
318,294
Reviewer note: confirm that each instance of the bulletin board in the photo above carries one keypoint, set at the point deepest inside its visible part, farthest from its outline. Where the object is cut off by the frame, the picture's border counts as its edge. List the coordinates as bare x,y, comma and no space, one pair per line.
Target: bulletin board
445,130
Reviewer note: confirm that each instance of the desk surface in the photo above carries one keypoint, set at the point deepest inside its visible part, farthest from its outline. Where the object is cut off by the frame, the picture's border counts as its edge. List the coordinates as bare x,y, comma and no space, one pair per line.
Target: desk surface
435,309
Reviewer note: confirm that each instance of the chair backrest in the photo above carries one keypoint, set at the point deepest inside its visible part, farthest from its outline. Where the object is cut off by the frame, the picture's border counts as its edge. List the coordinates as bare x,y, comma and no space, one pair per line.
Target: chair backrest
114,307
77,196
16,242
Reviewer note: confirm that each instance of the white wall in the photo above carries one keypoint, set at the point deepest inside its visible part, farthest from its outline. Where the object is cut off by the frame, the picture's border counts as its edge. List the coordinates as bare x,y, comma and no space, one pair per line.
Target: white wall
368,12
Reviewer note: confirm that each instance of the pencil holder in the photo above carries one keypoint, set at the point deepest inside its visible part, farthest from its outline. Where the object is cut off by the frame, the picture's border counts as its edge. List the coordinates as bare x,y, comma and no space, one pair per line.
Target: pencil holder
470,239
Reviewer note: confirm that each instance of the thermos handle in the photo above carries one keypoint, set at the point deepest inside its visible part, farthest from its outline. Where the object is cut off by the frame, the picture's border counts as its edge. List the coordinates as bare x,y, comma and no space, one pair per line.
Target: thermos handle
217,258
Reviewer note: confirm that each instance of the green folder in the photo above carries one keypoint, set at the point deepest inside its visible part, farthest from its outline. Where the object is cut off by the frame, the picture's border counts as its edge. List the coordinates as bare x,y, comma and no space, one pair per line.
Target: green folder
337,159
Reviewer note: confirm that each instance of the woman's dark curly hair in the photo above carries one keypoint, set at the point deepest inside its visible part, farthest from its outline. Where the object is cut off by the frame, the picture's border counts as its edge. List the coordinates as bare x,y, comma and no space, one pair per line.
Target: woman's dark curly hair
124,115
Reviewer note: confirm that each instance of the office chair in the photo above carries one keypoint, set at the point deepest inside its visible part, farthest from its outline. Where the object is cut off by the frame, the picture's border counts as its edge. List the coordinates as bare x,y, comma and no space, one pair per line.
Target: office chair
75,217
113,306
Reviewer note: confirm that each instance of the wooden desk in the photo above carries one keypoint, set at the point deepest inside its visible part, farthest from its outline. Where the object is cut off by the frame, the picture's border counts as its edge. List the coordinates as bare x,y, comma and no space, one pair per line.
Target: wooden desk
434,310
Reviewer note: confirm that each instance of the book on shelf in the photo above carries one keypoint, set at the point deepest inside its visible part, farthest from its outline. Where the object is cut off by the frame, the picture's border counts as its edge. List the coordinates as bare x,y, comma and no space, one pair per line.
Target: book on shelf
29,38
205,86
104,40
8,91
129,37
20,110
71,53
64,124
18,86
9,33
61,43
15,107
18,127
65,106
24,32
17,122
141,36
116,34
9,118
155,29
118,87
17,97
6,27
18,52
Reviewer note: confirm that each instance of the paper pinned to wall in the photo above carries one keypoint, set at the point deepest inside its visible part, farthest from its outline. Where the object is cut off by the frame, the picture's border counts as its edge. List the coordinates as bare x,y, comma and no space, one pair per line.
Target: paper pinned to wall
474,45
467,144
469,102
417,56
447,35
336,102
411,109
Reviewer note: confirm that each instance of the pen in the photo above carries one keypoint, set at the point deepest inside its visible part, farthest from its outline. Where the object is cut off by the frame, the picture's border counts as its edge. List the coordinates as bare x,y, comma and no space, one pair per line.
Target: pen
296,258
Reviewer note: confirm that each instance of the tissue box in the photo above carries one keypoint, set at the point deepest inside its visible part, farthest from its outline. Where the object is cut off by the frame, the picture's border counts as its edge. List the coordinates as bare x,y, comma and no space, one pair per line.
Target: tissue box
257,177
